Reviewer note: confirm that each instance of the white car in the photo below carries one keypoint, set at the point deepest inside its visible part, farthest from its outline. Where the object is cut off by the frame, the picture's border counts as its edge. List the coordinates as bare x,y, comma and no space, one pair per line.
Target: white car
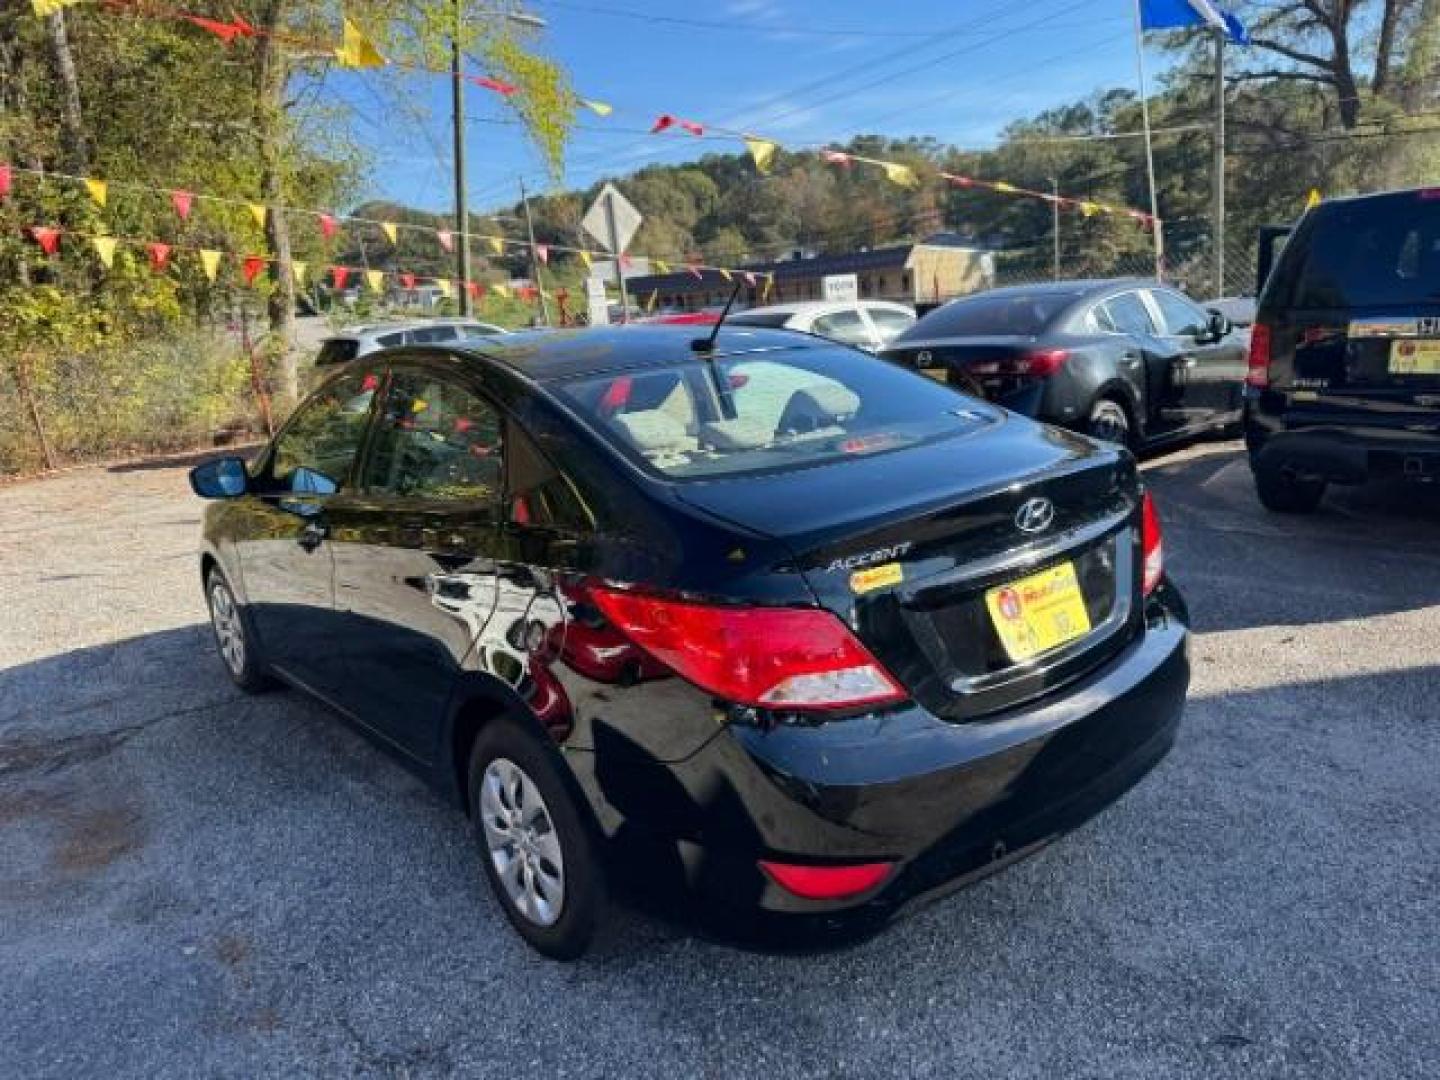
866,324
357,341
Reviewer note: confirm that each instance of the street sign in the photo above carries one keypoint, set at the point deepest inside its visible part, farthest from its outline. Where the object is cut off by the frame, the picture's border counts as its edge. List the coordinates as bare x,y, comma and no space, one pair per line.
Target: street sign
597,304
612,220
841,287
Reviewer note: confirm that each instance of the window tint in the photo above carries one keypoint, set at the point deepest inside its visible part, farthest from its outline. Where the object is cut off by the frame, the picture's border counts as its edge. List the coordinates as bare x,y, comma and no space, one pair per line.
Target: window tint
325,433
846,326
435,440
1009,313
1129,315
337,351
782,410
386,340
430,334
890,324
1376,251
1100,320
539,493
1182,318
776,319
477,331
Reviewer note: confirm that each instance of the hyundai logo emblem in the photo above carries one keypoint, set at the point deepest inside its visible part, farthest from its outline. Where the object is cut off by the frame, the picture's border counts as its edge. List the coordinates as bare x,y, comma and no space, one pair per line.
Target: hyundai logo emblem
1035,515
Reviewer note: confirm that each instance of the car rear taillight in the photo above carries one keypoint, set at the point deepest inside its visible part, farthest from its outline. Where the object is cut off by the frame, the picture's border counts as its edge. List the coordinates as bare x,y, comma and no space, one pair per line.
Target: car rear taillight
1152,547
1258,374
1042,363
826,882
770,658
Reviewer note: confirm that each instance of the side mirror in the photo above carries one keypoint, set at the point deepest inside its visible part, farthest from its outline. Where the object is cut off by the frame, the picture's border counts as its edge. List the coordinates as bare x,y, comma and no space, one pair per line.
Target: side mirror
223,478
1219,326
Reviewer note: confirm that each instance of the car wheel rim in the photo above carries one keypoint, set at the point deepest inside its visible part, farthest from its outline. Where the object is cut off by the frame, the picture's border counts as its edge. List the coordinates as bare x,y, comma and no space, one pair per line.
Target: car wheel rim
1109,426
524,847
228,632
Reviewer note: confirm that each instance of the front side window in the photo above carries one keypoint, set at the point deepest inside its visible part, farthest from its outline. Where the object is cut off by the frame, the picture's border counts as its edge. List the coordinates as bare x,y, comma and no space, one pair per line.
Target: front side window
1182,318
435,441
429,335
315,451
1129,315
843,326
770,411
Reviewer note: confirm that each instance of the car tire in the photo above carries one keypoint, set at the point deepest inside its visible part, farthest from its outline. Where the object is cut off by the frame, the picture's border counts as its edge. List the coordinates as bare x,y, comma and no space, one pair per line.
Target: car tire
1109,422
536,844
234,636
1287,494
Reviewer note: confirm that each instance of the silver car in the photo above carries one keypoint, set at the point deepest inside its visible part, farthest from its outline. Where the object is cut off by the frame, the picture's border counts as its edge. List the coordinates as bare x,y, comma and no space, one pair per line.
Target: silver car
866,324
360,341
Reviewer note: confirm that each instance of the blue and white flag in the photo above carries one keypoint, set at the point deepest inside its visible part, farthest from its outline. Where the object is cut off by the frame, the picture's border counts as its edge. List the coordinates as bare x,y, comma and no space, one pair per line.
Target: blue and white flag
1174,14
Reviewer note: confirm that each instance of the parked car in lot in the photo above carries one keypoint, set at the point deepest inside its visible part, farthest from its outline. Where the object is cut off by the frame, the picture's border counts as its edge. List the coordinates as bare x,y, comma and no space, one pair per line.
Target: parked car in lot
866,324
787,634
1127,361
1344,381
359,341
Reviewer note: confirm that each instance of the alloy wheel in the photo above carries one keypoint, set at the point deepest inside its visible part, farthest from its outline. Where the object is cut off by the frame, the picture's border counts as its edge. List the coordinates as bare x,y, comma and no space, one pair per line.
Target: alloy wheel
524,847
229,633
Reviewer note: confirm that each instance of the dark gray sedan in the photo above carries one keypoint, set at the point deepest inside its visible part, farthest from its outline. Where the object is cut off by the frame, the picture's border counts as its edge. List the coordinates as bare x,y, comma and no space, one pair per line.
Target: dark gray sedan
1127,361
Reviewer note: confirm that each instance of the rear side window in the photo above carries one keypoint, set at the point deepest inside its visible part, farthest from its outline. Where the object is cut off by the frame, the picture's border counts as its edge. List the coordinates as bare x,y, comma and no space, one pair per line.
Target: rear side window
387,340
846,326
1128,314
765,412
430,334
890,324
1383,250
1009,313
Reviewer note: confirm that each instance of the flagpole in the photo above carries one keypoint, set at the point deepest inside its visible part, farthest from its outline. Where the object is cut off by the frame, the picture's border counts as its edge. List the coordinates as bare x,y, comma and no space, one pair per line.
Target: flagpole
1155,226
1217,209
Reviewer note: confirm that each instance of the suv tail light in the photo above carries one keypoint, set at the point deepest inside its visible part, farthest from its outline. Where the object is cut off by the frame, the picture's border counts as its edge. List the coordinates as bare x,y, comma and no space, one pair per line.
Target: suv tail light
1258,374
770,658
1151,545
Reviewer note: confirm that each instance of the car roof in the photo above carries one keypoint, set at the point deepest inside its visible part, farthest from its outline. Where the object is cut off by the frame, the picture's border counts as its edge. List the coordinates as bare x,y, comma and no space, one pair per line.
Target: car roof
366,330
546,355
1077,288
816,307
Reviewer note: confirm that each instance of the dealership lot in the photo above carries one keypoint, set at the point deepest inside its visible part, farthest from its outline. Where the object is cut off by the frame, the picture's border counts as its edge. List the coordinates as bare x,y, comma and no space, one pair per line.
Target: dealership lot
195,882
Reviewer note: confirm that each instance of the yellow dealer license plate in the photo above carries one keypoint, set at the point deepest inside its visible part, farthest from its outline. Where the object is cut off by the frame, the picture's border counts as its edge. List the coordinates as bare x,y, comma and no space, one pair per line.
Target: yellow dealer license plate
1039,612
1411,357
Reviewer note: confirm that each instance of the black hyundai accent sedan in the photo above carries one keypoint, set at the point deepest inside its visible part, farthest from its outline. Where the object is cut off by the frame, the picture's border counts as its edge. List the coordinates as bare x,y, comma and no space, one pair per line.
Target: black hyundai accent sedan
768,627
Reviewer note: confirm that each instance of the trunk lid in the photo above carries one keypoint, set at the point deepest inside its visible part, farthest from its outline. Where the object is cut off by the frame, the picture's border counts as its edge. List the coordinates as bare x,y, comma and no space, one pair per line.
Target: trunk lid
905,546
983,366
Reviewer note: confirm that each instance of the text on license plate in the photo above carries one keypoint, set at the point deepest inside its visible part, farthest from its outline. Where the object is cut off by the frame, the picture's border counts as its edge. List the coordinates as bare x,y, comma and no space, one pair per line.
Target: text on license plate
1039,612
1411,357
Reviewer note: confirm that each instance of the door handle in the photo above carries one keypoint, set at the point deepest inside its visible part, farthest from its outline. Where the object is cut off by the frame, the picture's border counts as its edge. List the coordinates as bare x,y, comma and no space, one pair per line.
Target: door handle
313,535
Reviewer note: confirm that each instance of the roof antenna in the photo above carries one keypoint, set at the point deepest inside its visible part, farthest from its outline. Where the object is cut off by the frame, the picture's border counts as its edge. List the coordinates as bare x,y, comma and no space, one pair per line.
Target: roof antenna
705,345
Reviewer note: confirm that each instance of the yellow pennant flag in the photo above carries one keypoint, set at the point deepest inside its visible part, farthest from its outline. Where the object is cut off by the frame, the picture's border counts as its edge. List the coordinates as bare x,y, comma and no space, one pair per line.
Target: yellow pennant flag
599,108
724,273
661,266
1313,199
257,212
388,228
654,298
496,245
501,291
358,51
586,258
1001,185
210,262
50,7
297,271
769,287
105,248
99,190
762,151
376,280
1089,209
900,174
446,289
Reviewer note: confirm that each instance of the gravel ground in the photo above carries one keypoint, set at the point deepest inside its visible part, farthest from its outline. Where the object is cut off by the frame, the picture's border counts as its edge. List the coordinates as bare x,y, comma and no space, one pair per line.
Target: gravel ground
194,883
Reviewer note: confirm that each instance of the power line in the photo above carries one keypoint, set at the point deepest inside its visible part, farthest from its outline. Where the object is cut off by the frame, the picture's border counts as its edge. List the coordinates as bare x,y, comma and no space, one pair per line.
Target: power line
741,26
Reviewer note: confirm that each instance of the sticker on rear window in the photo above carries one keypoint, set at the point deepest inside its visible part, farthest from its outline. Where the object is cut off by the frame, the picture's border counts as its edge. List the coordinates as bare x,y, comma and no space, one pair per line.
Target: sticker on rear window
877,577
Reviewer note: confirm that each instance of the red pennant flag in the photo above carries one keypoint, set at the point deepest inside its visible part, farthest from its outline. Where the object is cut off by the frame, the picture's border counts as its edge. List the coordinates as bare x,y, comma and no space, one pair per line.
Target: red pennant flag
226,32
408,280
542,252
961,181
339,274
661,123
487,83
251,267
693,128
182,201
475,289
528,292
835,157
327,226
6,180
159,256
446,240
47,237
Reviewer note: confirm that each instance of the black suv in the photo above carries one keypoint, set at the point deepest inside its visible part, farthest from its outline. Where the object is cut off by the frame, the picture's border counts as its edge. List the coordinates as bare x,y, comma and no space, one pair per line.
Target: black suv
771,628
1344,374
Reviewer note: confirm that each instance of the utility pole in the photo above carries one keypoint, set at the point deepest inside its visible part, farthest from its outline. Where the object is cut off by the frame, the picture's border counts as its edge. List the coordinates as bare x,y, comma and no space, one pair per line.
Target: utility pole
1156,229
534,259
1055,221
1217,194
462,210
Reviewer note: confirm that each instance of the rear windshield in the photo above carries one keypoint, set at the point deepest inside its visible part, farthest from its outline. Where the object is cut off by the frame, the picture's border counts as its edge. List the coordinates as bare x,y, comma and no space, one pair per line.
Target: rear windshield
1375,251
337,351
1011,313
764,412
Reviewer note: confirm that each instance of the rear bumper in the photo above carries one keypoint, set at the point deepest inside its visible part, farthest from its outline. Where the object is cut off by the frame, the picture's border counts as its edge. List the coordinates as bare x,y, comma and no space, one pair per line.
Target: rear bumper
1342,454
947,803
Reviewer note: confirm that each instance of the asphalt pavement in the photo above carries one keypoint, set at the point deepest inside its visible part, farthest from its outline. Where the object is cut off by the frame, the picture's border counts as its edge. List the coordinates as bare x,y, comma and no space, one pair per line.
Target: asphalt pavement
197,883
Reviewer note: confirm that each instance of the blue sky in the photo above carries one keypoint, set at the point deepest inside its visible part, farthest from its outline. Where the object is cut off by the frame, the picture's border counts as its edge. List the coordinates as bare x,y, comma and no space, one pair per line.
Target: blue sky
801,71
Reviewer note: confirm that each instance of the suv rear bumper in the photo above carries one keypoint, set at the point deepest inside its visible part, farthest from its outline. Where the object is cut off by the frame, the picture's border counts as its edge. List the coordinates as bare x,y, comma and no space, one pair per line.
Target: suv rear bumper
1343,454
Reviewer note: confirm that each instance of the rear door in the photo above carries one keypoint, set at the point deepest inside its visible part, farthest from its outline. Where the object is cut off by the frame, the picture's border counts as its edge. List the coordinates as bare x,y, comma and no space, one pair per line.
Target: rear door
1162,392
1354,314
